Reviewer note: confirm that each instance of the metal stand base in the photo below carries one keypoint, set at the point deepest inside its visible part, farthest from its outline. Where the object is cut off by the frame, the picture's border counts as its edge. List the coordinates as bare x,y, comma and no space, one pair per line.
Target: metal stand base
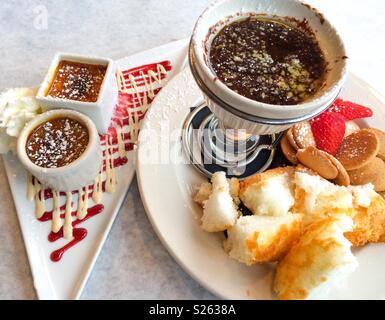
211,147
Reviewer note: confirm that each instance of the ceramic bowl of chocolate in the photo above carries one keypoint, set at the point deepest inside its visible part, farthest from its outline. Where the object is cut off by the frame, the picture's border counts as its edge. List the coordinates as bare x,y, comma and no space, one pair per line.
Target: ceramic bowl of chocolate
61,148
277,61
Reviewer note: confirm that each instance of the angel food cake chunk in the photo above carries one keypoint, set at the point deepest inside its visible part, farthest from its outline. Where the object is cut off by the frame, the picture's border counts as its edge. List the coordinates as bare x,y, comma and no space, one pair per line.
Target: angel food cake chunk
256,239
318,260
270,193
268,234
317,198
302,221
219,210
368,216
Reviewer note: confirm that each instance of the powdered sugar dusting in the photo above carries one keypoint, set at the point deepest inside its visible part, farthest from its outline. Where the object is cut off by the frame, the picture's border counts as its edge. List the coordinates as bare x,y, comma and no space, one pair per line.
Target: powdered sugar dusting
77,81
57,142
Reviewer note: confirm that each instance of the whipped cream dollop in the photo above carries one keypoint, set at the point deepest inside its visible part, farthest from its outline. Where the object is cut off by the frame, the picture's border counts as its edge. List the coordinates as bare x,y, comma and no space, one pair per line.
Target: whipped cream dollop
17,107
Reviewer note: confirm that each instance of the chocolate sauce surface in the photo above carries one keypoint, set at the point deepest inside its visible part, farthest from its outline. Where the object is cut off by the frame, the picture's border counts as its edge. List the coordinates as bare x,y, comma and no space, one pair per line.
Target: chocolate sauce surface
268,60
57,142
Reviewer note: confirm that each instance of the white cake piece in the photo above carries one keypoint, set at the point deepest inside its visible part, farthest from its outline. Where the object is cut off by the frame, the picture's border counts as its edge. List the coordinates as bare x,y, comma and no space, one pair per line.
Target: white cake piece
317,197
256,238
234,190
320,259
270,193
205,189
219,211
203,194
363,195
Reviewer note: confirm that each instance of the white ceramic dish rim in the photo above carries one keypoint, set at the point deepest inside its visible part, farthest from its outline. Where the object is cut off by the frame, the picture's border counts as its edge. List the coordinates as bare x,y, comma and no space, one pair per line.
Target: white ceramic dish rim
92,134
199,54
59,56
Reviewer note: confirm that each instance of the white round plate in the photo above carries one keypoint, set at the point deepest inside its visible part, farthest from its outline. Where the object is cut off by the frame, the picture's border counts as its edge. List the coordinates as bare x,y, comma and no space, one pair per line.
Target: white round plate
167,186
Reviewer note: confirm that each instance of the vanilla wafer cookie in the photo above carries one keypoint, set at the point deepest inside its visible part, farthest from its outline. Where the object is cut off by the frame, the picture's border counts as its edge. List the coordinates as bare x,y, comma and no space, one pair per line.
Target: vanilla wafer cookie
290,139
367,173
318,161
379,182
342,178
381,137
288,151
303,136
358,149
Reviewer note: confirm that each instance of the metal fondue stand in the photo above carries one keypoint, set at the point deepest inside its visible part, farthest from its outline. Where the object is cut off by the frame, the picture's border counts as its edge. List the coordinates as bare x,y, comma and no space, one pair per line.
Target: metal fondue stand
212,147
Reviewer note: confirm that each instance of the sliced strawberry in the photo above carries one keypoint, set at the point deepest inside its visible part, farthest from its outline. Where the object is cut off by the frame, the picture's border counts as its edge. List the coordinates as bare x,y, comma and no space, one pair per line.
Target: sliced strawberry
328,130
350,110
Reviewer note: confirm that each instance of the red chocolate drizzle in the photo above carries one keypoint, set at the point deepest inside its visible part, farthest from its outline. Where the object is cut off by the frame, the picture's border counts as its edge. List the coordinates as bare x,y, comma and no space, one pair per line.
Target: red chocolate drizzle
79,235
91,212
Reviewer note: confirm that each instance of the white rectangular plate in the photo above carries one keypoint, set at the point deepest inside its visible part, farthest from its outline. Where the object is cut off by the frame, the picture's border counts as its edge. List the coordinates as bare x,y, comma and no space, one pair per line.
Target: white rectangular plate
66,279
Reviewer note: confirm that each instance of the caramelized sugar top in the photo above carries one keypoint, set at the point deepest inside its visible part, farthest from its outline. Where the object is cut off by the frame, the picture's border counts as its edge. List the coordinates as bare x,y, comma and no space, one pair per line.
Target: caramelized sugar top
57,142
77,81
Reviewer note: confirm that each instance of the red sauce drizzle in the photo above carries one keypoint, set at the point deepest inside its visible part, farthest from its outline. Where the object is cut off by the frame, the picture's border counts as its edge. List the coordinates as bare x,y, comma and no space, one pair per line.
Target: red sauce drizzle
93,211
79,234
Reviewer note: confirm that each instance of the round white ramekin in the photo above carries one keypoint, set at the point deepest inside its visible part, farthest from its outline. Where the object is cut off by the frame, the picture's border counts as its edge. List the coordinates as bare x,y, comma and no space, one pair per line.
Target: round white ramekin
78,173
222,12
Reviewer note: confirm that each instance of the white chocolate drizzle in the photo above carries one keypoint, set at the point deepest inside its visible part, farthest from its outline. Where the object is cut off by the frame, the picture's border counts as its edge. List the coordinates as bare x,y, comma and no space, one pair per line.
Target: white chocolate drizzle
152,75
143,103
120,79
82,203
56,220
148,80
39,200
30,188
67,227
110,170
97,190
120,137
134,127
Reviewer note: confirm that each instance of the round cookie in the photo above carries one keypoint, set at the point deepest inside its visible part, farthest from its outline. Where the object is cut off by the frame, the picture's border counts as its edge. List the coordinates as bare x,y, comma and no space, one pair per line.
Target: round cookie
290,138
318,161
303,136
379,181
367,173
288,151
358,149
342,178
381,137
351,127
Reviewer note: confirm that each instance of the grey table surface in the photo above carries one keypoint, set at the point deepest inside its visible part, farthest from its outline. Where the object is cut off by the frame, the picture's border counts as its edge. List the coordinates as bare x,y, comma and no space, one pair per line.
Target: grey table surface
133,263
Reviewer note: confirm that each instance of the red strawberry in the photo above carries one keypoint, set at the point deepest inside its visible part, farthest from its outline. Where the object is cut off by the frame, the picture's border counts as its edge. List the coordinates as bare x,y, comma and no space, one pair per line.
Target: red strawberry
328,129
350,110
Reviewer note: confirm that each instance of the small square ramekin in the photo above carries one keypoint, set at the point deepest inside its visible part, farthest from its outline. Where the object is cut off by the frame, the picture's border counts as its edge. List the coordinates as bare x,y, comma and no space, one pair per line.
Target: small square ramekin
100,111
